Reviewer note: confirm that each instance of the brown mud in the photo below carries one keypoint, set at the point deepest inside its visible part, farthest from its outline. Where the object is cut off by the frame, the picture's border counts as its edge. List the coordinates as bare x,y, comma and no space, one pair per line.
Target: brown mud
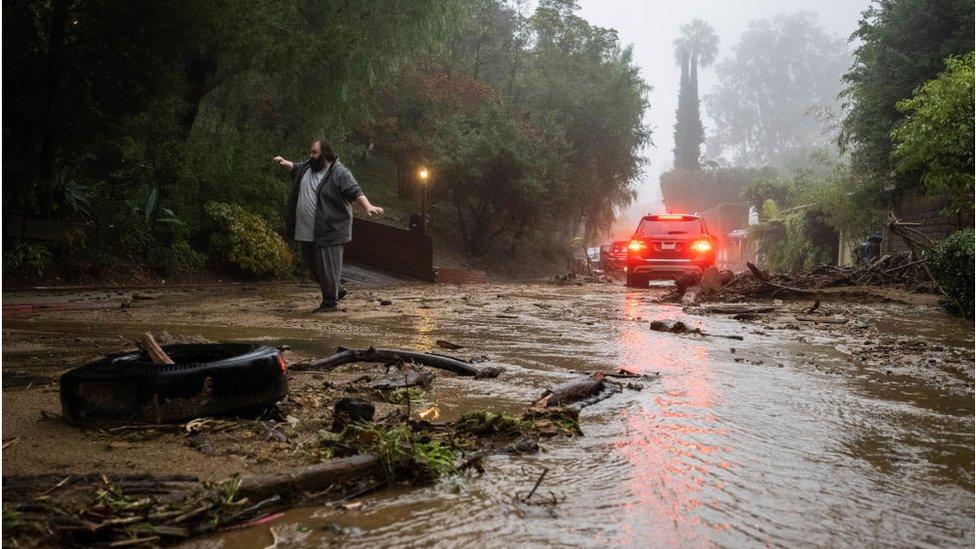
847,425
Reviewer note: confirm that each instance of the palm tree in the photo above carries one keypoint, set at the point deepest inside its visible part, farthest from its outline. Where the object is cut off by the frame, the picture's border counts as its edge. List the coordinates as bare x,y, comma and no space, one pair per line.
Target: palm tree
697,46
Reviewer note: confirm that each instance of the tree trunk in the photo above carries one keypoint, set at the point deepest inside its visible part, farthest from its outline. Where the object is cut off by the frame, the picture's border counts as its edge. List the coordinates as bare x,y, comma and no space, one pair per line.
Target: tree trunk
51,91
405,183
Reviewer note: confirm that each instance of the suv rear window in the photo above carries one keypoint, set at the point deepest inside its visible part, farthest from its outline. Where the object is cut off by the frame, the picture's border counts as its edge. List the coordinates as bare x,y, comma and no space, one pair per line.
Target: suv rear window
662,227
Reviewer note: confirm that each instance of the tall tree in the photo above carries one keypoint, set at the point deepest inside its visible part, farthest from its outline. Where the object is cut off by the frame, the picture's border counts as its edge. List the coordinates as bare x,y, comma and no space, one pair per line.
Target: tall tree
696,47
776,97
903,44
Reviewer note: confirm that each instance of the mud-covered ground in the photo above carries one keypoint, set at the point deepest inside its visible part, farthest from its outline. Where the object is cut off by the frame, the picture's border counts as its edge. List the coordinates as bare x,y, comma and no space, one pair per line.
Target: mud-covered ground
848,425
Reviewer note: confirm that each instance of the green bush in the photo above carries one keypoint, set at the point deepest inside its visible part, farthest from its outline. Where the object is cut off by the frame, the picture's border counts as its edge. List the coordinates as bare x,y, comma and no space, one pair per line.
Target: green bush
796,241
179,258
952,265
245,242
27,258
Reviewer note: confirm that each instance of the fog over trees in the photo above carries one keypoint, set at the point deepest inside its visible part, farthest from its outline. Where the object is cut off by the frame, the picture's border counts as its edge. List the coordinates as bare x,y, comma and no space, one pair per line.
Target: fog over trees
776,99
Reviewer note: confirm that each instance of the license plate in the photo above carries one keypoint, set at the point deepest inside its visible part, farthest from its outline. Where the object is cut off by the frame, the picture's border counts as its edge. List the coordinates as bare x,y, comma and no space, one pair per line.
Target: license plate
667,245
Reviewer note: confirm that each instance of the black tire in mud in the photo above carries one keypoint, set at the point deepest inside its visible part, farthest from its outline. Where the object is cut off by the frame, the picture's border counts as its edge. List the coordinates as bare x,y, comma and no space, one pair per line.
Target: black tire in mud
206,379
636,281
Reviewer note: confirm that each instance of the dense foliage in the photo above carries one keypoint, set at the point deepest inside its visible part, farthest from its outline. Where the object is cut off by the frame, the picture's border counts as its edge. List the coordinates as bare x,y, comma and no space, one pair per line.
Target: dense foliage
136,114
904,43
952,265
937,136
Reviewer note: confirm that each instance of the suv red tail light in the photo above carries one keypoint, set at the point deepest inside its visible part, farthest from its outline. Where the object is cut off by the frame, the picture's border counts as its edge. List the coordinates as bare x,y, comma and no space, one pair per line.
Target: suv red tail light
636,249
701,246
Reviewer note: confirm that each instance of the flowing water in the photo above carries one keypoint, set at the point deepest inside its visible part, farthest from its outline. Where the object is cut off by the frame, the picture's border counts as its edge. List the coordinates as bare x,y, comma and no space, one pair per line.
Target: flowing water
792,445
781,439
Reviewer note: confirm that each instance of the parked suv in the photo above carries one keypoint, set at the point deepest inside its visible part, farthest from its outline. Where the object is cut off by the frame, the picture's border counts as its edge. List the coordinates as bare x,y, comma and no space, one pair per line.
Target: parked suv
666,246
617,255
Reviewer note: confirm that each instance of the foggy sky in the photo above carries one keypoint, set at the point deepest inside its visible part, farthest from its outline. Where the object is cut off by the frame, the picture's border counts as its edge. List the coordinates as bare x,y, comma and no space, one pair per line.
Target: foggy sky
651,25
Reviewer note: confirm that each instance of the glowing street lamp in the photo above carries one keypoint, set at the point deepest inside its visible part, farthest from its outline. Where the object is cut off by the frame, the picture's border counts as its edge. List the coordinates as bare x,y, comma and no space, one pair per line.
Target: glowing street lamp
423,174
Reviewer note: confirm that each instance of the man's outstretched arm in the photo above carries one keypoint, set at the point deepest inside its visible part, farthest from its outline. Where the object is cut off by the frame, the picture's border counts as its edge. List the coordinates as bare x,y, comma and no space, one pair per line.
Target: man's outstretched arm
286,164
369,208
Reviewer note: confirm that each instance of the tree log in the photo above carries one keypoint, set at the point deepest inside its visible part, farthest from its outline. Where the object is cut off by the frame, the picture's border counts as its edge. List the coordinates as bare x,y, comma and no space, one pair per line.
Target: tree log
570,391
312,478
609,389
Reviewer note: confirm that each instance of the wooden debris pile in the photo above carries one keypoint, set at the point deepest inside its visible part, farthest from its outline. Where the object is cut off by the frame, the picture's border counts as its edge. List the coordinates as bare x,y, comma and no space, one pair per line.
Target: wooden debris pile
904,268
98,510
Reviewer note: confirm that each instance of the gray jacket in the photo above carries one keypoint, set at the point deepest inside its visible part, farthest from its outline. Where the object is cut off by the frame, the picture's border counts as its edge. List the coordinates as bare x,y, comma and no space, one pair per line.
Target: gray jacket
333,211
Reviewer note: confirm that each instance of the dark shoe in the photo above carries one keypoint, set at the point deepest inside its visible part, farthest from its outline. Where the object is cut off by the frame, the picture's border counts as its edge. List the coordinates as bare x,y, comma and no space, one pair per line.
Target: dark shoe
326,308
342,293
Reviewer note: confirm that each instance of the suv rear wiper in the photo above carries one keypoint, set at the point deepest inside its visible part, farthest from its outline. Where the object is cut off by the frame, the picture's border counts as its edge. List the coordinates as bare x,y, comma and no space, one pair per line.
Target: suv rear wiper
677,232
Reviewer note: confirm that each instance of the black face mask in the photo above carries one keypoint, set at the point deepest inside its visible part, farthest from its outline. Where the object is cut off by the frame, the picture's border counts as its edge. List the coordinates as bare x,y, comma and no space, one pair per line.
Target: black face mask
317,164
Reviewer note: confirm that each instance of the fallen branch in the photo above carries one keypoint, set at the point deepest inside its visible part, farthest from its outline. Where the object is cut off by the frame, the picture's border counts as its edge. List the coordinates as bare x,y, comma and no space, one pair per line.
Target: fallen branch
913,245
733,309
372,354
569,391
312,478
609,389
823,319
894,270
679,327
525,499
764,278
757,272
577,393
152,349
72,512
411,378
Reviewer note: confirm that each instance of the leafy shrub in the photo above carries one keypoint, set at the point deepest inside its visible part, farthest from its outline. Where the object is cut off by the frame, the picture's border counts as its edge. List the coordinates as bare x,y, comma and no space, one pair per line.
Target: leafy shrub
26,257
796,241
952,265
179,258
245,242
937,133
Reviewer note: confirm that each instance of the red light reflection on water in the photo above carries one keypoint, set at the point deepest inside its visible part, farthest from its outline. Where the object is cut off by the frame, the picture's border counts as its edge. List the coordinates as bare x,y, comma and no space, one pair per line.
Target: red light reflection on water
669,439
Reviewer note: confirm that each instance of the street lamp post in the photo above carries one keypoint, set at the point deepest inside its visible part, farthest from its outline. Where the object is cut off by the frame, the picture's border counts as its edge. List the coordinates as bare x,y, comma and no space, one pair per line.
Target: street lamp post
423,174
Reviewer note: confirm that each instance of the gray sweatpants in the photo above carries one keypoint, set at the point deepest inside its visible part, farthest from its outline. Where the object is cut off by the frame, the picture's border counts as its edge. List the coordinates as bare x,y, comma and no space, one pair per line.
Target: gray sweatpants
325,264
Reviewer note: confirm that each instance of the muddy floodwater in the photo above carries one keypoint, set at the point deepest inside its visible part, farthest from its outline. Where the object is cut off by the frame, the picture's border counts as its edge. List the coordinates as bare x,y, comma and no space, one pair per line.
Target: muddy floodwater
856,431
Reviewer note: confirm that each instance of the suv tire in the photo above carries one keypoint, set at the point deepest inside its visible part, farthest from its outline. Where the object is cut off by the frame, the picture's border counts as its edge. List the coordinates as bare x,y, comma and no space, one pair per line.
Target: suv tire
636,281
207,379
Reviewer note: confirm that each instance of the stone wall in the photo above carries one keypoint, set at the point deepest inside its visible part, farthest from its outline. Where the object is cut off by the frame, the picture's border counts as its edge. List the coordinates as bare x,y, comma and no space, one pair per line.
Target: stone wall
916,207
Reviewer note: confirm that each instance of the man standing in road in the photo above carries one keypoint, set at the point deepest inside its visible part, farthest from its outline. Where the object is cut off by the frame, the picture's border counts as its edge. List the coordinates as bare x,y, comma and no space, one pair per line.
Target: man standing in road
320,216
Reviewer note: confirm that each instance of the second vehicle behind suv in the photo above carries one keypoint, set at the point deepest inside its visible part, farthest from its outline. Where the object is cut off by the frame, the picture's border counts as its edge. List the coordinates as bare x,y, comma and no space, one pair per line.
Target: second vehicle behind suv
666,246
